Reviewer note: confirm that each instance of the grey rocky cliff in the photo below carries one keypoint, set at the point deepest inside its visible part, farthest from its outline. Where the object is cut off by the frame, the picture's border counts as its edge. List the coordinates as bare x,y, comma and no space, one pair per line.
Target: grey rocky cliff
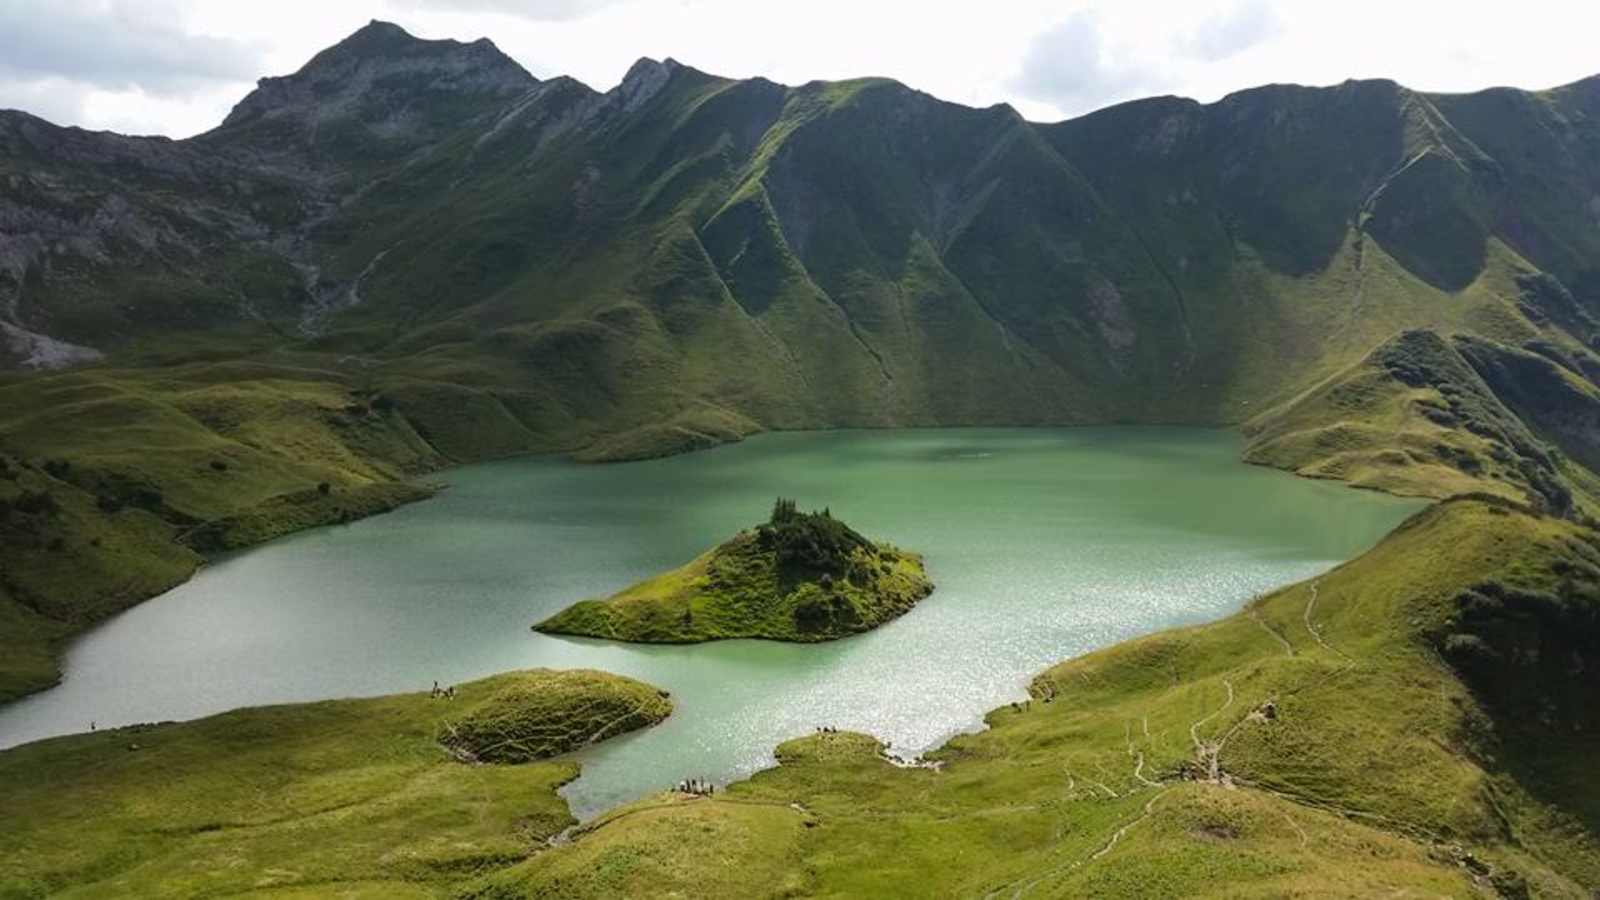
80,210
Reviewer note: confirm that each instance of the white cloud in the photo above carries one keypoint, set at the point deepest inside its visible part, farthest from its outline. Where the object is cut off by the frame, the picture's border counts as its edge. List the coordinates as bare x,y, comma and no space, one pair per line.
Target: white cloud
1235,31
117,45
133,111
1070,67
177,66
55,99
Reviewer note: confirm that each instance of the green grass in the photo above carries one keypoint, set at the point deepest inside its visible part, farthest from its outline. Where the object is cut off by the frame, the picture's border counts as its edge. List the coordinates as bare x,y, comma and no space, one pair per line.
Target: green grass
750,587
696,429
521,720
1425,415
1397,421
342,797
1380,770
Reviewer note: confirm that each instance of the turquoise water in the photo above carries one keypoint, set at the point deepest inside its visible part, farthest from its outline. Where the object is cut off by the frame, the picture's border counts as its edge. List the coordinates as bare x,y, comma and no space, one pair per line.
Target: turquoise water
1043,543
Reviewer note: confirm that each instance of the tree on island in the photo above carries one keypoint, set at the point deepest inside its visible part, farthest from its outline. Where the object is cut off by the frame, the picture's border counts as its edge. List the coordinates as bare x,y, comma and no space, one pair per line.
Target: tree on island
815,541
783,510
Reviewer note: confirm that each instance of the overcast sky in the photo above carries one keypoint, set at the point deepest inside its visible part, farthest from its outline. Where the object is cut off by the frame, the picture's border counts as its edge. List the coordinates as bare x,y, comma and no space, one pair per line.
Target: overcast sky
176,66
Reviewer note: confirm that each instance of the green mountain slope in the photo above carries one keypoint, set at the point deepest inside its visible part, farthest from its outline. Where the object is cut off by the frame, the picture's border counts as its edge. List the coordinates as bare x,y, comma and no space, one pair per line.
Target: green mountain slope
834,253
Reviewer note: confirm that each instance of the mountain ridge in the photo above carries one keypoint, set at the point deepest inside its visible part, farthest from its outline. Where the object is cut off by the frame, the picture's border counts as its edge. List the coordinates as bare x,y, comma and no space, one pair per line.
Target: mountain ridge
378,32
815,207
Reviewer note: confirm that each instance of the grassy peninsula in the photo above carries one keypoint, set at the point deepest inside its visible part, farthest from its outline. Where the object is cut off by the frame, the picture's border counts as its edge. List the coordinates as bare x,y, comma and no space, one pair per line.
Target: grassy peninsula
353,798
796,577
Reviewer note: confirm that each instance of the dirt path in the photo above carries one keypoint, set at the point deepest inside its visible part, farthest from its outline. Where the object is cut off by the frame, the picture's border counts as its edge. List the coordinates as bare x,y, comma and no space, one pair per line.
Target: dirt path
1317,633
629,716
1109,792
1206,753
1288,648
1149,808
1304,839
1020,890
1137,755
1138,772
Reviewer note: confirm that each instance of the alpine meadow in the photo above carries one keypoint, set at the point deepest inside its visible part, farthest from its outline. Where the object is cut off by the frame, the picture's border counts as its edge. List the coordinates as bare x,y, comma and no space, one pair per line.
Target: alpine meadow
412,256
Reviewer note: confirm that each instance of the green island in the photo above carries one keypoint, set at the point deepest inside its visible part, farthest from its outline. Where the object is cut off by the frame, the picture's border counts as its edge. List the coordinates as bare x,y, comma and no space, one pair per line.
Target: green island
398,796
796,577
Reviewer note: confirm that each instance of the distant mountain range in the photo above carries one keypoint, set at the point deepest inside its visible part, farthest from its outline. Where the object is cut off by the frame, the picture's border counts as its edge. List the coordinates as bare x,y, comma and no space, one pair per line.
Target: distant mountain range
740,254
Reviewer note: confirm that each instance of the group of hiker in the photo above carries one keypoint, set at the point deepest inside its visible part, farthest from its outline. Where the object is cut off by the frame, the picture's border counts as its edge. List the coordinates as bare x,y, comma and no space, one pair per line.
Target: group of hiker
443,693
827,729
697,787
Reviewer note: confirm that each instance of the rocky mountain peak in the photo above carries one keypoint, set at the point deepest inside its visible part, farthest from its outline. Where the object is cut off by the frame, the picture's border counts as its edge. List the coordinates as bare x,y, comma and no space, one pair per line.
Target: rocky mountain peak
388,79
376,37
644,80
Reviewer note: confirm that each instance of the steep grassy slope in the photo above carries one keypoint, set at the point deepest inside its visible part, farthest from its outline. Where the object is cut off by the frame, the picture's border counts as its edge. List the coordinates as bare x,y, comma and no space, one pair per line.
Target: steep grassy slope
851,253
347,797
1347,736
1546,151
797,577
1416,418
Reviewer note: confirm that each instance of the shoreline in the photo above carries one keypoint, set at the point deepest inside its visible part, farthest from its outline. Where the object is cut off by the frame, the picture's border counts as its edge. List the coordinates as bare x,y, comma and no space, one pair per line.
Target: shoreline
404,494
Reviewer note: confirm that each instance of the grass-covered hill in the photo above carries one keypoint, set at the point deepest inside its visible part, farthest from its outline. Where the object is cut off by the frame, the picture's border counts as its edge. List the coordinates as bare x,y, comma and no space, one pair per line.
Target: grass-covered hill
115,484
796,577
1412,723
1429,416
400,796
413,253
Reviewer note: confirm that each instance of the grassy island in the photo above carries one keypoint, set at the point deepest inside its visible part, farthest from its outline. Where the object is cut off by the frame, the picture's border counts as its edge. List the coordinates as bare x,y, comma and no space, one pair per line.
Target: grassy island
382,797
796,577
